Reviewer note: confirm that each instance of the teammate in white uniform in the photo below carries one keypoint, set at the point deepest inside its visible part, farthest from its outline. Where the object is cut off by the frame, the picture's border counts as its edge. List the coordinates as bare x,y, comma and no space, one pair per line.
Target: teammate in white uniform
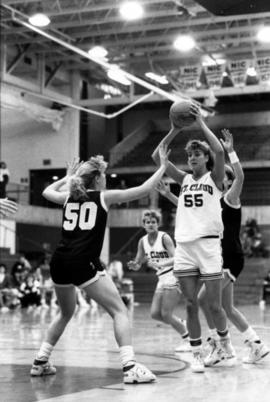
157,249
198,231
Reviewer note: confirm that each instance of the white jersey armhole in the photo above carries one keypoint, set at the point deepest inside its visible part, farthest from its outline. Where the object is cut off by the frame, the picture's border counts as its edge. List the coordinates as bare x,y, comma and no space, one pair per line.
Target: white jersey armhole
231,205
102,201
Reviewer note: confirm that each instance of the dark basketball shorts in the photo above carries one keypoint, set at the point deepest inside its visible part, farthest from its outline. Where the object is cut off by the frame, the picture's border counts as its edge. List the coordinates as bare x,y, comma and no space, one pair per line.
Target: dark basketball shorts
233,265
79,272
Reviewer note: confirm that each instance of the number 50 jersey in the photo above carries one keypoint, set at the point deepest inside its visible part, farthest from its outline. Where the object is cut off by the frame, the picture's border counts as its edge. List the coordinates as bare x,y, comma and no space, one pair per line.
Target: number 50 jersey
199,210
83,227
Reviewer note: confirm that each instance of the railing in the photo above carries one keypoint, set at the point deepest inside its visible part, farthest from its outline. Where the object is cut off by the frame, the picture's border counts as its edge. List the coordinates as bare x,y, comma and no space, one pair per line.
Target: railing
18,192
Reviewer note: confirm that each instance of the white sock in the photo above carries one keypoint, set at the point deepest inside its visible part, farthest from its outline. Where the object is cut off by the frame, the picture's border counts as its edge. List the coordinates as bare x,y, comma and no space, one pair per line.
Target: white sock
250,335
45,351
127,355
213,334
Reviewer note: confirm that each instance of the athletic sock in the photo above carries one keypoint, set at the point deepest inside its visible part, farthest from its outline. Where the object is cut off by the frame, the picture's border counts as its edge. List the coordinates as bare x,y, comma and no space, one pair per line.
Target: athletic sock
185,335
127,356
44,351
249,335
213,334
223,334
196,345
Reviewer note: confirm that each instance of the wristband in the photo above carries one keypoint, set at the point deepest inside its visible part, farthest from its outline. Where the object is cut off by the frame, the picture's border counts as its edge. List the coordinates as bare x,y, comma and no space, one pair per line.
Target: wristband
233,157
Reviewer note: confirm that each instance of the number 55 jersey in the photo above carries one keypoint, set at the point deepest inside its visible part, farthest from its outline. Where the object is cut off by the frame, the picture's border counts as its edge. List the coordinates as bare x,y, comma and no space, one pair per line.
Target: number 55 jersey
199,211
83,227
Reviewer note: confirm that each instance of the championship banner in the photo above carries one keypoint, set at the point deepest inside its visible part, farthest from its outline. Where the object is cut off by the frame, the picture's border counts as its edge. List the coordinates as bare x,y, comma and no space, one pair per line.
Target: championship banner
237,70
214,75
189,76
263,68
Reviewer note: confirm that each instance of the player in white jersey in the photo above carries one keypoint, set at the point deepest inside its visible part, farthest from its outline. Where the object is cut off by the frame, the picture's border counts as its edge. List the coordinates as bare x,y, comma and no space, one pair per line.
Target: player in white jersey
157,249
198,230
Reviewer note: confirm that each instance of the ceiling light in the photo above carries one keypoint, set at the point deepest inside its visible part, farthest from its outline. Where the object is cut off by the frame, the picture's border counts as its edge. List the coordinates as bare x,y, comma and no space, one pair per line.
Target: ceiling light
39,20
98,52
251,72
116,75
184,43
113,175
131,10
263,34
161,79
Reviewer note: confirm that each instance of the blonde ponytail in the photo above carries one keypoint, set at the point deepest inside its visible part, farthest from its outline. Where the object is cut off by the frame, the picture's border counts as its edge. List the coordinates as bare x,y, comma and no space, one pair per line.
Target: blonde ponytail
77,189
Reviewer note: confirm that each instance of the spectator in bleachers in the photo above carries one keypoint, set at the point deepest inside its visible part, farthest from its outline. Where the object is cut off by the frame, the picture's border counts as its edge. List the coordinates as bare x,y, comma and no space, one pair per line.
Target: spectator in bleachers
5,285
21,265
45,283
252,241
4,178
265,291
30,292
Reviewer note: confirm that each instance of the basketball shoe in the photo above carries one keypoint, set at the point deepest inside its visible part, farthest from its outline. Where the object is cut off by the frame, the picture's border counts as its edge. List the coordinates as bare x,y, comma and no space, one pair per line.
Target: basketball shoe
42,367
137,374
197,365
256,352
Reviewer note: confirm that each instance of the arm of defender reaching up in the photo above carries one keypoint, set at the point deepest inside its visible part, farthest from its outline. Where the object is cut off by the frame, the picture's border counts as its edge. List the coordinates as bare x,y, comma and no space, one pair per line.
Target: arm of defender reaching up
233,194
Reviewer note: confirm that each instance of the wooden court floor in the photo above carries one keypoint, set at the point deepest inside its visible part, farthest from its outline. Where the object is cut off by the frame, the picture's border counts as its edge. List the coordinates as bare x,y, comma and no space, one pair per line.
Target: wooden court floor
89,368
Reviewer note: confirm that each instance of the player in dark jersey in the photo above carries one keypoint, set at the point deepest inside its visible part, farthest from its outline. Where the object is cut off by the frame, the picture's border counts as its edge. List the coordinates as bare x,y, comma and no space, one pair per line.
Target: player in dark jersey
76,259
233,262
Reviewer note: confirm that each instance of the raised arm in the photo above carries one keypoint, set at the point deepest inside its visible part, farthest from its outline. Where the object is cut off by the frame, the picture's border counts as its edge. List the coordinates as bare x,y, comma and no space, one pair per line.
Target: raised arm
233,195
218,169
171,170
136,264
134,193
54,192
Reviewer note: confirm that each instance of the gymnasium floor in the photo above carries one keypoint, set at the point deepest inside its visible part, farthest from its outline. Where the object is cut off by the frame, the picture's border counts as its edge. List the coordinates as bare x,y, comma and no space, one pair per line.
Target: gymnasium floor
89,368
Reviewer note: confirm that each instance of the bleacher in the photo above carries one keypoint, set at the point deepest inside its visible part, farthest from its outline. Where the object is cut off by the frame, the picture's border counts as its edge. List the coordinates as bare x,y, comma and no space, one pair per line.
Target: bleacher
252,143
248,288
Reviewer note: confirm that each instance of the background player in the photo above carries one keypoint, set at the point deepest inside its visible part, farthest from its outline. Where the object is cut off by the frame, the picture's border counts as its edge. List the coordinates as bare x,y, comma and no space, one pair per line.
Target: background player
233,262
157,249
76,259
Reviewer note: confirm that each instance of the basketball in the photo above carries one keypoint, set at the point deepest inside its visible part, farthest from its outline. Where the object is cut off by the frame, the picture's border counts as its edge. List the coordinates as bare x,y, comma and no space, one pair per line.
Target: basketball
180,114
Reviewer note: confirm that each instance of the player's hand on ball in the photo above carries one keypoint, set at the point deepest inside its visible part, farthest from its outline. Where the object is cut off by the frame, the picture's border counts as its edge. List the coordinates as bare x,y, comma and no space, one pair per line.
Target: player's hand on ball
195,111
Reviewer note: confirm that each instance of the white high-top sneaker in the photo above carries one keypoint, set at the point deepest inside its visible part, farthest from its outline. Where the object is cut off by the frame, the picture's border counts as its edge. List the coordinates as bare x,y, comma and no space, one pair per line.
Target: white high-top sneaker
256,352
40,368
138,374
197,365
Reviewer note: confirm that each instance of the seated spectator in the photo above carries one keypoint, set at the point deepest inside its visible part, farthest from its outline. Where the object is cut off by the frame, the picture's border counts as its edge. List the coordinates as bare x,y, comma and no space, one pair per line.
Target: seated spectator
30,292
4,178
9,287
21,265
252,241
5,287
265,291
